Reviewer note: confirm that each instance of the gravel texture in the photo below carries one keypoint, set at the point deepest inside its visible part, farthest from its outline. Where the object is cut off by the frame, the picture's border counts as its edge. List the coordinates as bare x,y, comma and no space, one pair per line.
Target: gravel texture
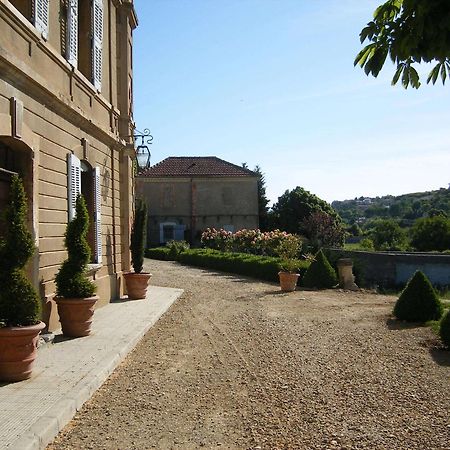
237,364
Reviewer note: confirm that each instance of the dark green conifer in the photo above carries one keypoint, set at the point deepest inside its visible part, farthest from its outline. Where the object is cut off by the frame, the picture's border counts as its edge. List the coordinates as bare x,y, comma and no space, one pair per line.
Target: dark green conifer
320,273
418,302
19,301
139,236
71,280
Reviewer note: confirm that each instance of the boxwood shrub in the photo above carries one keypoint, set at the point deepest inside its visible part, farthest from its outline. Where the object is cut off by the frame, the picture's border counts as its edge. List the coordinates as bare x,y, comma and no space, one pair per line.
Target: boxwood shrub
320,273
161,253
419,301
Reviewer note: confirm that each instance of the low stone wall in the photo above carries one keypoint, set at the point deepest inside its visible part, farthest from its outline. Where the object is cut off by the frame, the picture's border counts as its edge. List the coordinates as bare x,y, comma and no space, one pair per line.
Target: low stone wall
393,269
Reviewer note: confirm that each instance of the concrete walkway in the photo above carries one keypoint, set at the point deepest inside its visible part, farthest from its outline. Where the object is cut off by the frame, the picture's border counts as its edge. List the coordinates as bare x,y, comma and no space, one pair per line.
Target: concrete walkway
69,371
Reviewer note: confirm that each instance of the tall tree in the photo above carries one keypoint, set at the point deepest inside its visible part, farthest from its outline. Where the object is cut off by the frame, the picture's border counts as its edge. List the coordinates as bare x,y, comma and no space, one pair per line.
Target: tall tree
293,207
263,201
409,31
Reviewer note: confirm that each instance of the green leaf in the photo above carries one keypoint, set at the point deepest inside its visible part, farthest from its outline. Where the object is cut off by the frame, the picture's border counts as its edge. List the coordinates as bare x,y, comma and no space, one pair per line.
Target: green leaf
397,74
414,78
434,74
405,77
363,55
443,74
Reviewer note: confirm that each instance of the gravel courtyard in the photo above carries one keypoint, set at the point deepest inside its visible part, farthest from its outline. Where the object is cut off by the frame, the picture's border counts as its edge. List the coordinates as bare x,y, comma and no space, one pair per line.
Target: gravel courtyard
236,364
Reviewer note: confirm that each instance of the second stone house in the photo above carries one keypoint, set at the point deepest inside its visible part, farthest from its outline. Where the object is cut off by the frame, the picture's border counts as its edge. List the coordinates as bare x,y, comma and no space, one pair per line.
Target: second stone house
186,194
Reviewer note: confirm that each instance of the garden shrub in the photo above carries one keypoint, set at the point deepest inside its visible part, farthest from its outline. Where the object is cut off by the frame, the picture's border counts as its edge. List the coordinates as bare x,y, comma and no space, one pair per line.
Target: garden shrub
260,267
161,253
250,241
175,248
139,236
320,273
71,281
419,301
19,301
444,329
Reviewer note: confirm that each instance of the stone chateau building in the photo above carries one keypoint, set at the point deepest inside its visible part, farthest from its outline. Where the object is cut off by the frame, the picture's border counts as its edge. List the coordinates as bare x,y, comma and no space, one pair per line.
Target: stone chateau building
65,121
185,195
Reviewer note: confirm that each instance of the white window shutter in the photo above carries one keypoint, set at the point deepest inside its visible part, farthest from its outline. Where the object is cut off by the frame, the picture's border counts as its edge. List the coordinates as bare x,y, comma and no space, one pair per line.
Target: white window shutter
72,33
97,43
97,217
73,183
41,8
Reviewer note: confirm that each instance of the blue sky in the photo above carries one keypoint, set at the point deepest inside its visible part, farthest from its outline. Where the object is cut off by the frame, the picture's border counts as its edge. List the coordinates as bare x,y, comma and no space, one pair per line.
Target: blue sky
272,82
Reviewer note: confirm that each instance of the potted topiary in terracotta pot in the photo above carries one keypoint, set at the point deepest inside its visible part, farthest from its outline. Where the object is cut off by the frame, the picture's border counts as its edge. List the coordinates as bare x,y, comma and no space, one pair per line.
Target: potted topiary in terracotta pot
288,252
74,291
19,302
136,282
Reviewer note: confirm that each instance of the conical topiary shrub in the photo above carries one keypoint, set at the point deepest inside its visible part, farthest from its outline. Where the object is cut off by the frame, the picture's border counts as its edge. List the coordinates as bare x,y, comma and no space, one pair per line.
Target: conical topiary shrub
320,273
71,280
418,302
444,330
19,301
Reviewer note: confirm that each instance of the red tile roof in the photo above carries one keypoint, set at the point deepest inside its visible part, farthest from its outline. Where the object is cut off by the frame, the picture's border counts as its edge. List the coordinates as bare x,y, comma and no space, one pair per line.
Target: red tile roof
198,166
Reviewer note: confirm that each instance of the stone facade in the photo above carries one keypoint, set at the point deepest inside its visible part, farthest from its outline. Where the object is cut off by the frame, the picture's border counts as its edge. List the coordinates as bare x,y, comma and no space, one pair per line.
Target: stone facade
181,207
65,118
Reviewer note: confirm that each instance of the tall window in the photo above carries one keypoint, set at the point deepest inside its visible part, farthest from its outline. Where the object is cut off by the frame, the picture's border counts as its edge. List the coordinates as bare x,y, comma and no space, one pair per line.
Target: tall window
84,179
84,40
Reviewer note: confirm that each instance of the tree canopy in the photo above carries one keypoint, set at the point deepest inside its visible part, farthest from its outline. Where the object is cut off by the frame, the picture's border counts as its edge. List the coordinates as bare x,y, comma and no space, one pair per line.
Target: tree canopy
409,31
293,207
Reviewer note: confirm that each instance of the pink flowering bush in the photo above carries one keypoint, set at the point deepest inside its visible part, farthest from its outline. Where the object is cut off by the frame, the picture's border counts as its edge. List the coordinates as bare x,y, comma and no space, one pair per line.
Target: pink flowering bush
217,239
255,242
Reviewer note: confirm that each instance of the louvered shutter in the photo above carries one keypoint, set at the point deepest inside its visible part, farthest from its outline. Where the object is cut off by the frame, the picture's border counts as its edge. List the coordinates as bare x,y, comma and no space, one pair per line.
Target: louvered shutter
73,183
97,42
72,33
97,216
40,10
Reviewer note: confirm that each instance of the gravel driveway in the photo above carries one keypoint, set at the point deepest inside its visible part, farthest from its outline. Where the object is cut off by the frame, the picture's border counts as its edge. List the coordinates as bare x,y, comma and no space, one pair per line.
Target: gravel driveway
236,364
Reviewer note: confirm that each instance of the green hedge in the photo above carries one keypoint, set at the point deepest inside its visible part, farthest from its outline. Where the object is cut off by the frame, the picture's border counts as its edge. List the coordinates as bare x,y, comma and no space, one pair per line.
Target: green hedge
161,253
261,267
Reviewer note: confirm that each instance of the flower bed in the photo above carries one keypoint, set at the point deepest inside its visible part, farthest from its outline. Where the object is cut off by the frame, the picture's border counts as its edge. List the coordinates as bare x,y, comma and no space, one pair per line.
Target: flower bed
254,242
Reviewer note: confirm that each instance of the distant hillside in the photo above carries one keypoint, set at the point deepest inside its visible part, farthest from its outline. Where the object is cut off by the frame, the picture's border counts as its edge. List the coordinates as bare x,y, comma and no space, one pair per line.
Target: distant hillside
406,208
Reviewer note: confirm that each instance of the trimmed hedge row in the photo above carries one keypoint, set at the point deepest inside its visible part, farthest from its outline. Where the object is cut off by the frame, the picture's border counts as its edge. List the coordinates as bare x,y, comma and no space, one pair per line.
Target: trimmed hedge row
161,253
261,267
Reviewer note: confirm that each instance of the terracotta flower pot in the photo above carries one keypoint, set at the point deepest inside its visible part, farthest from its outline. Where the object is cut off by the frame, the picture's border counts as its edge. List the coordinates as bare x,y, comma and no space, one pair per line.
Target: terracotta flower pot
18,351
288,281
136,284
75,315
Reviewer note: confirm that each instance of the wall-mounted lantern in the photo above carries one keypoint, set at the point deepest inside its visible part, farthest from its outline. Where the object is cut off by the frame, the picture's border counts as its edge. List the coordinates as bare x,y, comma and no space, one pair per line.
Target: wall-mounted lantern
142,150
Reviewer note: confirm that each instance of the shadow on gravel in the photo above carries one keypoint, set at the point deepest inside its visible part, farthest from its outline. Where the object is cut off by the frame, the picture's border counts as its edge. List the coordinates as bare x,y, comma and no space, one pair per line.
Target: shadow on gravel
440,356
394,324
232,277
